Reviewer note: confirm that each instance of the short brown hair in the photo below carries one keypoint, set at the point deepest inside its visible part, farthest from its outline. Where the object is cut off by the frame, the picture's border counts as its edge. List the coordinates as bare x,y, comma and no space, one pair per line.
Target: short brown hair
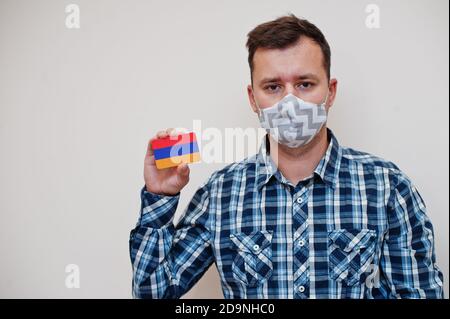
284,32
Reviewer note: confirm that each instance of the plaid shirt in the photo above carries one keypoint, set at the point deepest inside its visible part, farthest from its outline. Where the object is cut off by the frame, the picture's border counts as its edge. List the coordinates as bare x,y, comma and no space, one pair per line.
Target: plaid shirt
356,228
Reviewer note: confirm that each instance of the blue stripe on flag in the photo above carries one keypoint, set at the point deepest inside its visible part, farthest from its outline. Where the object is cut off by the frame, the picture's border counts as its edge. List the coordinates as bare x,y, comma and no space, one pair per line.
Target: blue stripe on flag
176,150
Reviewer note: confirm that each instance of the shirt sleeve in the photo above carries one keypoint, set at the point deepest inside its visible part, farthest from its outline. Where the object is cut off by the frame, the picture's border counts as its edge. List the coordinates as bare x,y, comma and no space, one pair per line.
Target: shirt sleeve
167,260
408,261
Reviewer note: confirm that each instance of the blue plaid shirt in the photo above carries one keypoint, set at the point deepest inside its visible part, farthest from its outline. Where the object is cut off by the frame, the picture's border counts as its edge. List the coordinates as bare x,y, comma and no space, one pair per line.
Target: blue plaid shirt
356,228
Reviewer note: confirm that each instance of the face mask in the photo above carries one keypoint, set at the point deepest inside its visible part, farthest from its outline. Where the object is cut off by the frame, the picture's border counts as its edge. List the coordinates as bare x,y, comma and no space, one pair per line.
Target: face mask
292,121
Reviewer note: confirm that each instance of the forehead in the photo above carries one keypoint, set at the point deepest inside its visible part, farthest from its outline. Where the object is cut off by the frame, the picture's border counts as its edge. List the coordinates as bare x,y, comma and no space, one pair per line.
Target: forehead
305,56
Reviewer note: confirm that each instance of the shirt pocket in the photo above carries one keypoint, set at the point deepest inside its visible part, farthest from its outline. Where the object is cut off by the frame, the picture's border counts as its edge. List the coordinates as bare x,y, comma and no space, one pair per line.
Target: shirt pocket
351,252
252,264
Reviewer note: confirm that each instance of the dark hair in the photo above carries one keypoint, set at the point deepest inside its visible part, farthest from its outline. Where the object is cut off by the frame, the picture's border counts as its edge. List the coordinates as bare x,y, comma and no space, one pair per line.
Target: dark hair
284,32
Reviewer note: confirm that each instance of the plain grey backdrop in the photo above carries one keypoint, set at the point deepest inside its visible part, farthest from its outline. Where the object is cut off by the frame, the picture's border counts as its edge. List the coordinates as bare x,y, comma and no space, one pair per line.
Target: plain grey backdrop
77,107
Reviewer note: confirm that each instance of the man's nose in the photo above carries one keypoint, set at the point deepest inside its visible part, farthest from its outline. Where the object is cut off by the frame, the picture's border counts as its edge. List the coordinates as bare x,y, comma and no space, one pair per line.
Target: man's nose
290,88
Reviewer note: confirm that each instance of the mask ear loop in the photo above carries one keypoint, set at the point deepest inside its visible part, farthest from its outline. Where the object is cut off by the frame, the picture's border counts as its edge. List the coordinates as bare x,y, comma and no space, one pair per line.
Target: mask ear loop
326,98
325,102
257,106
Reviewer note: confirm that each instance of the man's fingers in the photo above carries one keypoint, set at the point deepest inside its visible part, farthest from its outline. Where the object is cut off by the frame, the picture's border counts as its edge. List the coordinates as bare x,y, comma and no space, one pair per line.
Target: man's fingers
172,132
162,134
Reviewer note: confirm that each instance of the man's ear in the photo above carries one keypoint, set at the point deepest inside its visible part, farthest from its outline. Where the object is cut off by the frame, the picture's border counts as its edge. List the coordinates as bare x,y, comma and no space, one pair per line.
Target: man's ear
251,99
332,90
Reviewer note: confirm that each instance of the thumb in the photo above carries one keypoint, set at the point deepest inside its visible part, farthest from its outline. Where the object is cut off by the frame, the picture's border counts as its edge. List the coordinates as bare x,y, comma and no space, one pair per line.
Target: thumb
183,172
183,169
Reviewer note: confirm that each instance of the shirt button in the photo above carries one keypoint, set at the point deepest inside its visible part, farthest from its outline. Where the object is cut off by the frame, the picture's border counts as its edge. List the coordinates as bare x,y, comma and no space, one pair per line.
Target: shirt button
299,200
301,243
301,288
255,247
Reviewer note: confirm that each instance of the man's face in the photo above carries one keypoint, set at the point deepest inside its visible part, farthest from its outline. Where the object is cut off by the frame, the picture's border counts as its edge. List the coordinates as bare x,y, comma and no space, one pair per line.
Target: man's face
297,69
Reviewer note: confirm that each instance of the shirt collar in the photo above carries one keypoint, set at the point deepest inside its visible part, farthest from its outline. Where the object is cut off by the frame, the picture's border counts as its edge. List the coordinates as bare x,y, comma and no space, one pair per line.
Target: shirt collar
327,169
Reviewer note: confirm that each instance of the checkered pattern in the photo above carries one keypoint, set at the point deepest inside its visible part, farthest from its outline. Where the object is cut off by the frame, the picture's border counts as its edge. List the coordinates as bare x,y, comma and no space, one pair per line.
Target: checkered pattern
356,228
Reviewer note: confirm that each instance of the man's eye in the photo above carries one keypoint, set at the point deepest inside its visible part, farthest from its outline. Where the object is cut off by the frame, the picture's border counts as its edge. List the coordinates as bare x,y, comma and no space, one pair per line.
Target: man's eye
306,85
272,88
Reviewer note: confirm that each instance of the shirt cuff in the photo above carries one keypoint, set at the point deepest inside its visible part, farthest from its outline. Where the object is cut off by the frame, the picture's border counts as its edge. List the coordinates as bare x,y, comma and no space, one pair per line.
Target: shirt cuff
157,210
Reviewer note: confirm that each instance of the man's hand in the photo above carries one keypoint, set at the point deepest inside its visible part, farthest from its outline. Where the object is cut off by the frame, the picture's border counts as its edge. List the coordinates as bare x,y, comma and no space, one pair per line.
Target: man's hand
168,181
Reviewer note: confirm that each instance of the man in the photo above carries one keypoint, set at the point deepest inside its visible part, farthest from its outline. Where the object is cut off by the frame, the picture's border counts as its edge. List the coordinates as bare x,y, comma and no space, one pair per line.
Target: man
303,218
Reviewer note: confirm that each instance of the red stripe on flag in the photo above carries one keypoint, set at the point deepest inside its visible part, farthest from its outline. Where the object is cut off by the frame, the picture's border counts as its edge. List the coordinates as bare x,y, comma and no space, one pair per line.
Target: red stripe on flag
172,140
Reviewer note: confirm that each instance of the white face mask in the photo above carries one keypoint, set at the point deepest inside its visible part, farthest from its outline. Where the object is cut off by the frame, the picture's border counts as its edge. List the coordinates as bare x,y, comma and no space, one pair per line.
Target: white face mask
292,121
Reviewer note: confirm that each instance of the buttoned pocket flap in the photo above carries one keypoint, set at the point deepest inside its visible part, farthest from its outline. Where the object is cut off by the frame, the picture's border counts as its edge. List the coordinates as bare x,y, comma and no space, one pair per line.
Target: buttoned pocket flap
253,242
349,239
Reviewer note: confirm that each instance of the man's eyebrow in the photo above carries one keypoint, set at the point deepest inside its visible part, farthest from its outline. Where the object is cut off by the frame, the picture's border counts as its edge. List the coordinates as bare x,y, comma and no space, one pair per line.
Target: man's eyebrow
307,76
270,80
300,77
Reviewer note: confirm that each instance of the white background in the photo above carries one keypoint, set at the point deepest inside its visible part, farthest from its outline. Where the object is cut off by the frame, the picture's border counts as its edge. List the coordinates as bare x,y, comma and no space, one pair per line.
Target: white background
77,107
